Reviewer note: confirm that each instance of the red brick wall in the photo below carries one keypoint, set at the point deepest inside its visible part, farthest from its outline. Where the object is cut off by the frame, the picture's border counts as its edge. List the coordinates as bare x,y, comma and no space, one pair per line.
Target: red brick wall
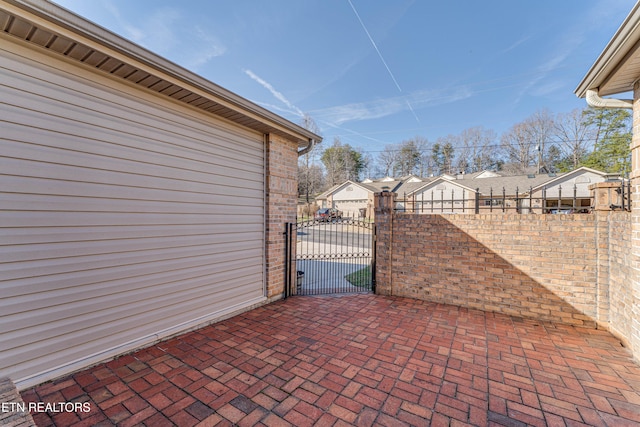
634,278
619,271
540,266
282,196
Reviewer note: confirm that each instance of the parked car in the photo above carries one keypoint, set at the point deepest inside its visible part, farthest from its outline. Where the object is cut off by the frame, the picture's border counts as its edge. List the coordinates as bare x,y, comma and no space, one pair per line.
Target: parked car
569,211
328,214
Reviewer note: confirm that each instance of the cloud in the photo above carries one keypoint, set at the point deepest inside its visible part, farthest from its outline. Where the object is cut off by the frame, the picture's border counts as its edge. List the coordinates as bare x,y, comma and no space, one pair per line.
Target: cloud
171,34
389,106
279,96
516,44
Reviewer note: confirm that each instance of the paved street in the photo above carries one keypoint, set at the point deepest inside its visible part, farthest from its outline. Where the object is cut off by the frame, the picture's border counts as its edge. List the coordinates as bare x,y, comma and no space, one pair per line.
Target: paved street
327,252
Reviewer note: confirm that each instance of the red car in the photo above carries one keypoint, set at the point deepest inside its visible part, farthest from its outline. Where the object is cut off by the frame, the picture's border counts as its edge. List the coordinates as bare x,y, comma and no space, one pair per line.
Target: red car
328,214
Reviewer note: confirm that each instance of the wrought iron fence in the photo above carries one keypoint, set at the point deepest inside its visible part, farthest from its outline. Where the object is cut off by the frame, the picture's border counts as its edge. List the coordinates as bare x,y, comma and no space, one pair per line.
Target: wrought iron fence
565,201
329,256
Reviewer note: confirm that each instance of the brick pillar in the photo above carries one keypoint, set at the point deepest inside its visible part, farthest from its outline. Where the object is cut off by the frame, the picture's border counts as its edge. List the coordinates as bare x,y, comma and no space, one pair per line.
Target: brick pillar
281,201
605,194
384,204
603,265
635,223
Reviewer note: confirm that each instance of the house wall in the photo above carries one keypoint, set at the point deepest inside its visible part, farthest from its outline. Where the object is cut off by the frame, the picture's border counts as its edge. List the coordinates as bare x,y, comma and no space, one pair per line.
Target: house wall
442,197
133,216
565,186
282,188
634,278
350,199
570,269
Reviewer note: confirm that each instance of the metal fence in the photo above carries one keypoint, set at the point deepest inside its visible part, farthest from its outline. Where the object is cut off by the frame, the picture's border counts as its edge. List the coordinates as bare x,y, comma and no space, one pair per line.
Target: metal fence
330,256
564,201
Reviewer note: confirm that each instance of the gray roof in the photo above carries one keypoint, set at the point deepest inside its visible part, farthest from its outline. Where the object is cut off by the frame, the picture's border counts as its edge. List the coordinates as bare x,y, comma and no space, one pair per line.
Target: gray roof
404,186
510,184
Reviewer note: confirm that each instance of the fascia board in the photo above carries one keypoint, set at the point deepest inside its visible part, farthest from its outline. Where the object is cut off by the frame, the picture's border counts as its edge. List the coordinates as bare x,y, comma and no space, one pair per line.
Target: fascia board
616,50
78,28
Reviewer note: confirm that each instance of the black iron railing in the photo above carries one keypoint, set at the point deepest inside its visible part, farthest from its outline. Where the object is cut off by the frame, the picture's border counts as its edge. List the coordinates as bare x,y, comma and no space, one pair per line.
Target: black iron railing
562,200
328,256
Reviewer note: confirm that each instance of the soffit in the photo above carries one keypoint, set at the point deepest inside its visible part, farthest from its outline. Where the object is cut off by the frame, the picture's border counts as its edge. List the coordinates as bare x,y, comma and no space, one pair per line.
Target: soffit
147,71
618,66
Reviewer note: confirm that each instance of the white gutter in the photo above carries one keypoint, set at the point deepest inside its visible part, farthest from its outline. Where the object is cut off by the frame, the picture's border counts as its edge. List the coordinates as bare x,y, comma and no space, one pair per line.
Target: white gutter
594,100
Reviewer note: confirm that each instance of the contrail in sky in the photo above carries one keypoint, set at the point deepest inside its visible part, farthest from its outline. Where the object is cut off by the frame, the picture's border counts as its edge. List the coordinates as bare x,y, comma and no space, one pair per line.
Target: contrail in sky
381,57
374,45
274,92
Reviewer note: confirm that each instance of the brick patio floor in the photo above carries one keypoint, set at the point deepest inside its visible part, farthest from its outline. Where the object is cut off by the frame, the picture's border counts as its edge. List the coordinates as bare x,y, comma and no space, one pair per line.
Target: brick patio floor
361,360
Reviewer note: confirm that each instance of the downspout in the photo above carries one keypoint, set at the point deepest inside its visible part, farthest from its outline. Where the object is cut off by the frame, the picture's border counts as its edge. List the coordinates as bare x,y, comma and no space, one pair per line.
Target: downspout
594,100
310,144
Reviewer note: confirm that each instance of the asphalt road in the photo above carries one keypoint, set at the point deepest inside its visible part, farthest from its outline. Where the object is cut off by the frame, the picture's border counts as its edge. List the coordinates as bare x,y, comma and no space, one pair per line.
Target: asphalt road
327,252
335,234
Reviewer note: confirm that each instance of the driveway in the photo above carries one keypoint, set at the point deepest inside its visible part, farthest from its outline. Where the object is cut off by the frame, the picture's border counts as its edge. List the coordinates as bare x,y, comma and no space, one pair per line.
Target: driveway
362,360
327,253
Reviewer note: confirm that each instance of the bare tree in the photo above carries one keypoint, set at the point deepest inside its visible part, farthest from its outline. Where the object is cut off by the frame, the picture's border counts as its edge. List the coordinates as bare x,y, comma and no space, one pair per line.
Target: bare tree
310,176
388,158
539,129
477,149
573,135
424,150
517,147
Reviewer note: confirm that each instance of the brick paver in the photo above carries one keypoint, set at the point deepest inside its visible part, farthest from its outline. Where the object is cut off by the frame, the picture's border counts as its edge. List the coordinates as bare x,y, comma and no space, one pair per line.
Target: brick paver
362,360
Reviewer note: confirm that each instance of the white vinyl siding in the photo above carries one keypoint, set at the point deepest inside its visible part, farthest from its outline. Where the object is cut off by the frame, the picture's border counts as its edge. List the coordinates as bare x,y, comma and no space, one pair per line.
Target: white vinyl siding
124,217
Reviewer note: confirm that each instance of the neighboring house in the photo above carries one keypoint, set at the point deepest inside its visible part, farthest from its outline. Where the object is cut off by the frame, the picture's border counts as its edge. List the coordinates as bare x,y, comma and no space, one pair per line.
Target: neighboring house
492,192
444,194
567,191
355,199
135,196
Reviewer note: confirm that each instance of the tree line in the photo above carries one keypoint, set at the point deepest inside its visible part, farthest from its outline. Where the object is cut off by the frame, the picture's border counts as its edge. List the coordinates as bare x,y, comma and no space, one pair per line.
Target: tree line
596,138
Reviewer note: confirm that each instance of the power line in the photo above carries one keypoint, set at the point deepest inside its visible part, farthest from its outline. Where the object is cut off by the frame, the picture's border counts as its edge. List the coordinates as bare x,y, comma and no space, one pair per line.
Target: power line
497,145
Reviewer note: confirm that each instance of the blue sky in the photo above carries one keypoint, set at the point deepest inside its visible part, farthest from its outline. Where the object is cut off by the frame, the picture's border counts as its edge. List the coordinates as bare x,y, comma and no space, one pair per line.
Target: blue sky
374,72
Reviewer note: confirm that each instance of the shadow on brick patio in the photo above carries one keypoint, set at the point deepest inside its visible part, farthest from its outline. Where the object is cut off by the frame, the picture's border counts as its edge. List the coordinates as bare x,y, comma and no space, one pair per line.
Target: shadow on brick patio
361,360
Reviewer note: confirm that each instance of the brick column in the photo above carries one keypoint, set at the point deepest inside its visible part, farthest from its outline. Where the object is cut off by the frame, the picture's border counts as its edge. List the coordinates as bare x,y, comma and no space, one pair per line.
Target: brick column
635,223
281,200
384,204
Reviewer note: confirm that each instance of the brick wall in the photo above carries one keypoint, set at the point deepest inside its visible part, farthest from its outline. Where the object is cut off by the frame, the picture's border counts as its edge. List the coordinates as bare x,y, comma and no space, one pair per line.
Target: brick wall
541,266
572,269
619,271
634,278
282,192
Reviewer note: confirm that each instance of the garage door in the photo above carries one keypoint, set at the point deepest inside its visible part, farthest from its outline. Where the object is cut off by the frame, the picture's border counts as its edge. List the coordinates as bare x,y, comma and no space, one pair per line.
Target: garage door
124,217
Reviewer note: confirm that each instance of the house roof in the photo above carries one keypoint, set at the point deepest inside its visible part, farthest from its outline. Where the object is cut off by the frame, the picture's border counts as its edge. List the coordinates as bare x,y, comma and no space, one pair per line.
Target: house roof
436,181
564,176
511,184
49,27
618,66
486,183
495,185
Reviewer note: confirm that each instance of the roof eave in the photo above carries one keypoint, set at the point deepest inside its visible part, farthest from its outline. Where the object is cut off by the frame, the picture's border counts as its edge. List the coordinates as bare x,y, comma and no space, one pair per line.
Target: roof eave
58,16
620,45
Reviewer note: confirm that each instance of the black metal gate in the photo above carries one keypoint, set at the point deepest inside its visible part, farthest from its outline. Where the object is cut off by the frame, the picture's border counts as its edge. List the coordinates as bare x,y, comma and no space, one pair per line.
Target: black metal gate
328,257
